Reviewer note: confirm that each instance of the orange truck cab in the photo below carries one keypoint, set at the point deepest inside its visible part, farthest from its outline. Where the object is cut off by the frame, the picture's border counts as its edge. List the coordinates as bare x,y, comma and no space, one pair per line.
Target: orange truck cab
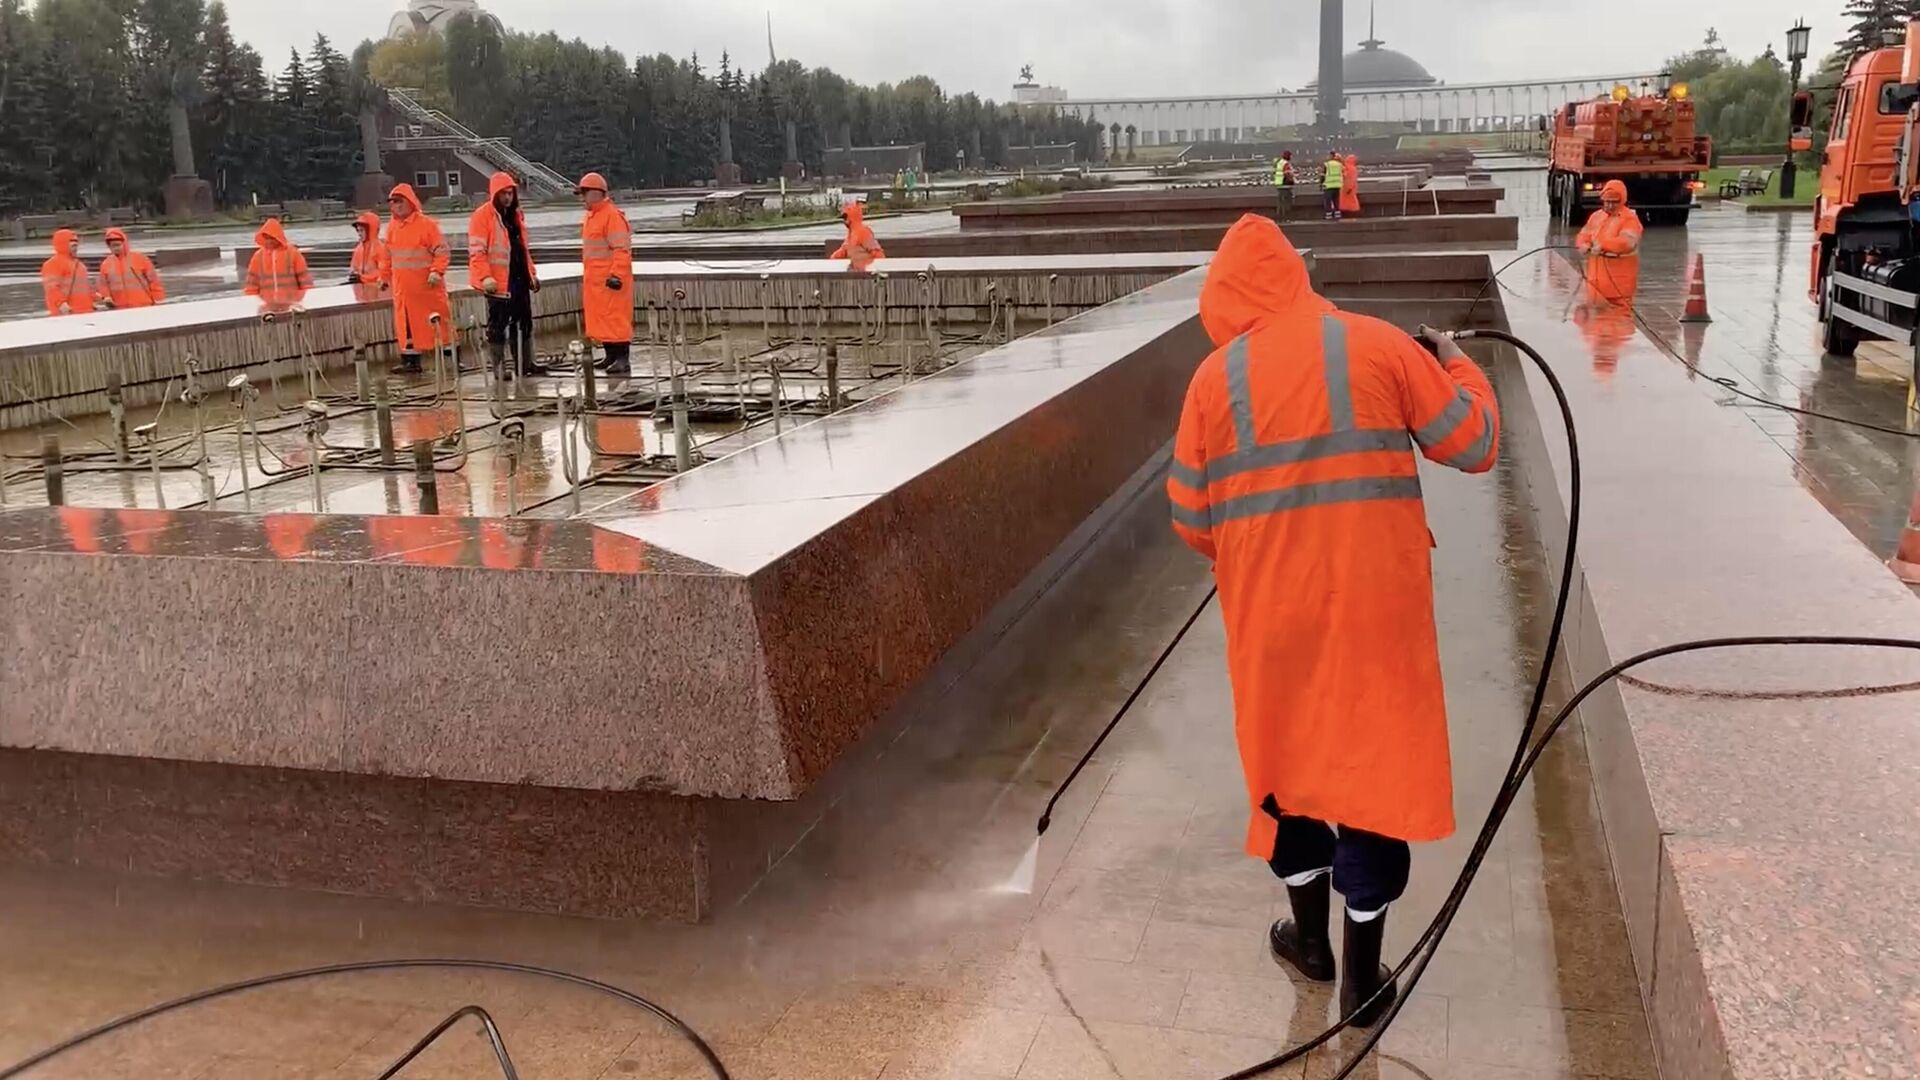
1862,272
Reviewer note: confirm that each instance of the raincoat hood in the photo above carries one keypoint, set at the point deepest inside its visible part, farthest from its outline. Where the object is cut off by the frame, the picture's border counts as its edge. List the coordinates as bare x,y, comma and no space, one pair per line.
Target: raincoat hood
370,221
502,181
1614,189
120,235
1255,276
405,191
854,213
66,242
271,234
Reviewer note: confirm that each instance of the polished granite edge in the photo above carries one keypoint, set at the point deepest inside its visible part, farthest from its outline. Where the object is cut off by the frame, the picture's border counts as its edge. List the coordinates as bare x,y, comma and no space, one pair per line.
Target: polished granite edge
499,544
1678,771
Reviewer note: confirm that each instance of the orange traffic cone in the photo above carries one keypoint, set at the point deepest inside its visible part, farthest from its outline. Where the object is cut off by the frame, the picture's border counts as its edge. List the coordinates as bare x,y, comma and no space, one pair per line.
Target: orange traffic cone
1906,561
1697,292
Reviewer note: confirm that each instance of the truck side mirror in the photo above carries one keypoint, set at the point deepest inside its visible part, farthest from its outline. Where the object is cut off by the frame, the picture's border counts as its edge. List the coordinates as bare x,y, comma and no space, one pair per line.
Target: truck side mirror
1800,115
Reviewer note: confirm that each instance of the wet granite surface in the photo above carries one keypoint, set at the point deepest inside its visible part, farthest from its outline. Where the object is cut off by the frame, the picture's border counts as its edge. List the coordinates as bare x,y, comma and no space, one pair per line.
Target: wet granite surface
1759,804
867,543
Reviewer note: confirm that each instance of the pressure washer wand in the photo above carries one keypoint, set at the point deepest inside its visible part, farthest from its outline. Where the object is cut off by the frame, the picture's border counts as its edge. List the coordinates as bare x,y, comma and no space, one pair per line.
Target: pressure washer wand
1046,816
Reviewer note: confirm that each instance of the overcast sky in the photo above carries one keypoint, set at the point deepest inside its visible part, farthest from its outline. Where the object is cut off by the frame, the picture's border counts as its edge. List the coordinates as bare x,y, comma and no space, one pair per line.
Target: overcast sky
1104,47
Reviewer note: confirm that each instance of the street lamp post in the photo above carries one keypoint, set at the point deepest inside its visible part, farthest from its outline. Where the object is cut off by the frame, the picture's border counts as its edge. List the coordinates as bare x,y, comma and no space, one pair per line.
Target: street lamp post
1797,40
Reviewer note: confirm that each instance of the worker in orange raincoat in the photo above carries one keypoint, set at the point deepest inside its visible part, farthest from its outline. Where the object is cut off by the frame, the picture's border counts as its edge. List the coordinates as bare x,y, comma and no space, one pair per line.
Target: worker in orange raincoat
417,260
1294,472
606,282
127,277
500,265
1611,243
860,246
367,266
64,278
277,273
1350,186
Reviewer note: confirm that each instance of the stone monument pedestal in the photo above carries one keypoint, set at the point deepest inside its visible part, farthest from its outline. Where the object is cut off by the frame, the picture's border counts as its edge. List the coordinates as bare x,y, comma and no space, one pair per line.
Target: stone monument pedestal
187,197
726,174
370,191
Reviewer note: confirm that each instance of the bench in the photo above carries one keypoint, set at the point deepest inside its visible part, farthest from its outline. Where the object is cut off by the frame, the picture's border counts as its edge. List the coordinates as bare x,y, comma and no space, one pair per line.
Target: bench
1747,183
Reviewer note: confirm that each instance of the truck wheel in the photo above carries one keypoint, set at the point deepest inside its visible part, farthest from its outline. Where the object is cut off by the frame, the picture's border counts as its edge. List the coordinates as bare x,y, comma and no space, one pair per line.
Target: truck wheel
1839,337
1678,217
1553,193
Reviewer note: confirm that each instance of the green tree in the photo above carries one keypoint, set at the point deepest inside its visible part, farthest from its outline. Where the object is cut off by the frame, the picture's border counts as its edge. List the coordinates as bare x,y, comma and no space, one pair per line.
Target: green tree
333,157
476,65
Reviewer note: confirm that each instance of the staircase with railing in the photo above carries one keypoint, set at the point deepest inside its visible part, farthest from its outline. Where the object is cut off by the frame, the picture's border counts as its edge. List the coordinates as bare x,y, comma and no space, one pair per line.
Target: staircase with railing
450,134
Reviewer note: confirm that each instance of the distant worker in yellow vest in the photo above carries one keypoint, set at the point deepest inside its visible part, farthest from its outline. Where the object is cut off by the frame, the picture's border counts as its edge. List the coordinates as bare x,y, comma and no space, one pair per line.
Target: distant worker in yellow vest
1331,183
1283,181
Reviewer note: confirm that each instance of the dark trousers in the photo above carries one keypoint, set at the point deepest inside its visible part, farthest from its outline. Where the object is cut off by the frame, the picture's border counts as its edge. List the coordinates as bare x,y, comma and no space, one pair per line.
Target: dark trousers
510,321
1332,196
1285,194
1370,870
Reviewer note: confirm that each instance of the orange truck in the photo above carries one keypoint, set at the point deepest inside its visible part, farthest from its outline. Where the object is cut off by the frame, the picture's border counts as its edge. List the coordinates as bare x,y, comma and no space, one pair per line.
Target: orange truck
1863,273
1647,141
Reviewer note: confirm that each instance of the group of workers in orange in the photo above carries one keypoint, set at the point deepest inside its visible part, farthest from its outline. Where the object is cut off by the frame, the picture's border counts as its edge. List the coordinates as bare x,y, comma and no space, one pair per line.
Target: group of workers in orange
1339,185
127,277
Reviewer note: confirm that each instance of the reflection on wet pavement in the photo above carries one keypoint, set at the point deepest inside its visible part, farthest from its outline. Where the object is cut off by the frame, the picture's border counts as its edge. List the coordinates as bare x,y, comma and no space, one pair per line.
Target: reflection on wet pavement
883,946
1766,335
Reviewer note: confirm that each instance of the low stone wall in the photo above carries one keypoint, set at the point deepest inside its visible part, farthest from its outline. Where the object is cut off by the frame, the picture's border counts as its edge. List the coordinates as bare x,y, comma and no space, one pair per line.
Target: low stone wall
1758,804
583,715
1203,206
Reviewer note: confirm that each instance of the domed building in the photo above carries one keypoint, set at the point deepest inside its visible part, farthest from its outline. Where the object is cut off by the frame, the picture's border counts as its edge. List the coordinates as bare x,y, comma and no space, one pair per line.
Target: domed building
432,17
1373,66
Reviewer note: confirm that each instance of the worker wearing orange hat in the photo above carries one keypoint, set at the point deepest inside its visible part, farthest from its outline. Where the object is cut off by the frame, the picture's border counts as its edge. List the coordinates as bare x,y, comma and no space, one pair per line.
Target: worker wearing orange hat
64,278
1350,186
127,277
417,258
1611,243
606,283
277,273
1294,473
860,247
367,266
500,265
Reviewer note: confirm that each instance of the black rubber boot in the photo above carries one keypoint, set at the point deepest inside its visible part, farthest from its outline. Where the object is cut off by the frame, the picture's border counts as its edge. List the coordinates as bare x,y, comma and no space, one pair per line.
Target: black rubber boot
619,360
1301,941
1365,974
409,364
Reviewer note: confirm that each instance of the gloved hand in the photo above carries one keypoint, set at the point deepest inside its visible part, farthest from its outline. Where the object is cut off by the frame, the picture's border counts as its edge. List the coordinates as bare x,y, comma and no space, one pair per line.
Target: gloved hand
433,279
489,286
1442,346
105,303
66,309
533,285
614,283
353,279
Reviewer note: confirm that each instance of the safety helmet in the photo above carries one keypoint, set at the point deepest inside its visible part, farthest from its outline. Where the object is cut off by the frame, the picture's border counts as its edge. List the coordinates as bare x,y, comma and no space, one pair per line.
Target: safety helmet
593,181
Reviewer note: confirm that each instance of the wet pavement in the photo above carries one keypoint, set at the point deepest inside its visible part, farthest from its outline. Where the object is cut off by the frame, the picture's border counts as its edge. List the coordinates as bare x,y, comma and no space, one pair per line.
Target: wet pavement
1764,335
886,943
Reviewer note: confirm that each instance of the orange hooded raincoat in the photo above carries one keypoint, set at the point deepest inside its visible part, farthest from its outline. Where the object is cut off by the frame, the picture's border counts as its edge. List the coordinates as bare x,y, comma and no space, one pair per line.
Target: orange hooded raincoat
1294,472
606,252
369,260
277,273
64,278
129,281
1350,186
860,246
1612,242
489,249
417,252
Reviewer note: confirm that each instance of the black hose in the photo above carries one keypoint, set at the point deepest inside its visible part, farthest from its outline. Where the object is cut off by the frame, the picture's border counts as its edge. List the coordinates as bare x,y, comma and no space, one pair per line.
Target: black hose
678,1025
